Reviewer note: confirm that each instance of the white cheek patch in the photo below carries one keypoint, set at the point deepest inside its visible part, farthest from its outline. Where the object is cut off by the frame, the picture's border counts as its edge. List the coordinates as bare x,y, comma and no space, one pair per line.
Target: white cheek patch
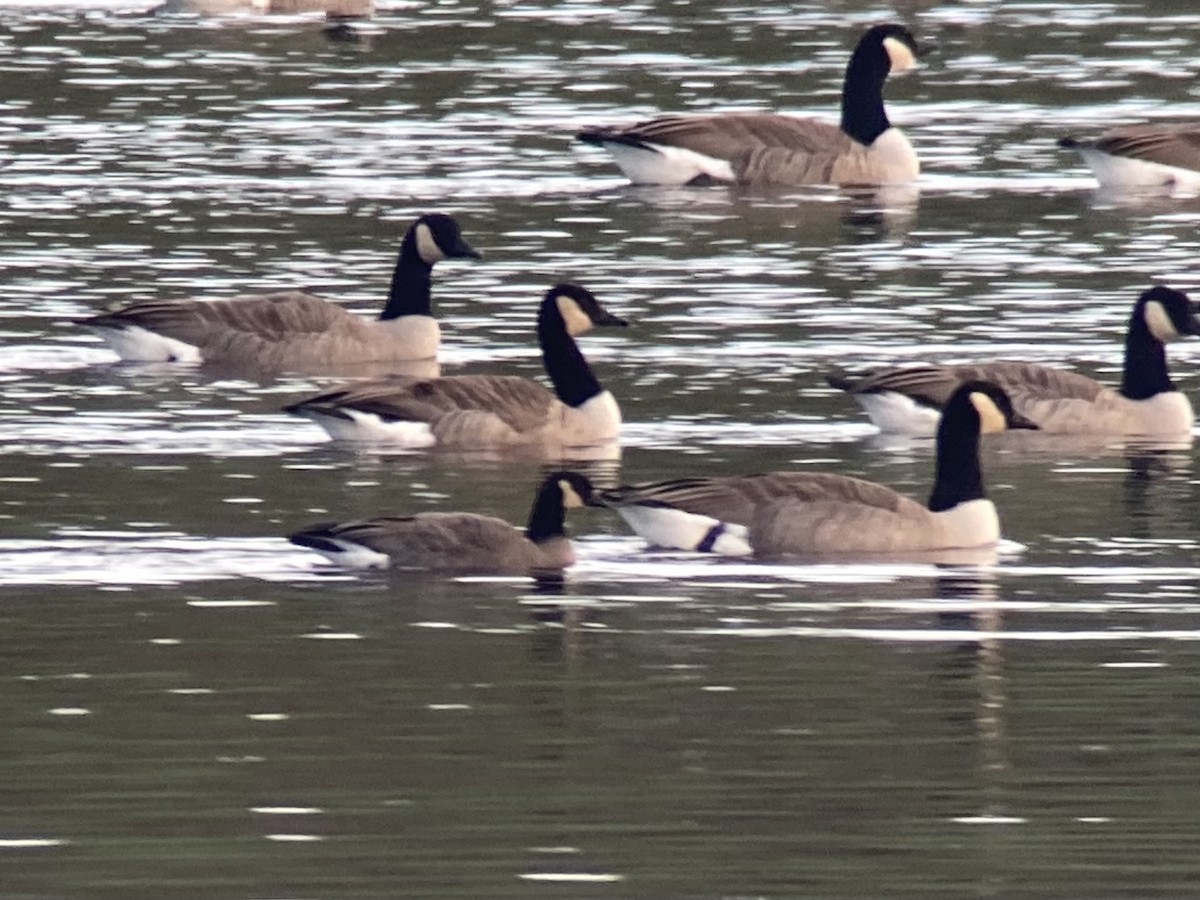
1159,322
991,419
899,53
427,247
577,321
571,498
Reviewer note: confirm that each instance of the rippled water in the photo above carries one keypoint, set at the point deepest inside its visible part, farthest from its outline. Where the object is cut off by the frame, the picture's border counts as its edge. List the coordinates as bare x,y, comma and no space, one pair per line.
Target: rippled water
193,707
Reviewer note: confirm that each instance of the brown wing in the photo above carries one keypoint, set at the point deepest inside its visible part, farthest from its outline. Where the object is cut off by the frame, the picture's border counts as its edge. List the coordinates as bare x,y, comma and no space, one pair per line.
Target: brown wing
730,135
738,499
933,385
520,403
1175,145
432,540
270,317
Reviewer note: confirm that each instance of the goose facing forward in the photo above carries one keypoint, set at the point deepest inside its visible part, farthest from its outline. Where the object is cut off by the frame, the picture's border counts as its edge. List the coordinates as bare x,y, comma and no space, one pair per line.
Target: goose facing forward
909,399
285,330
769,148
469,412
458,541
1143,156
784,513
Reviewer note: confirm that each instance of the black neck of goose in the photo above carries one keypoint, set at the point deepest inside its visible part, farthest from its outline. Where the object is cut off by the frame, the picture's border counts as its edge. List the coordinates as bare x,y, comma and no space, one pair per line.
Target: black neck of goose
1145,373
569,372
547,518
863,116
409,294
957,477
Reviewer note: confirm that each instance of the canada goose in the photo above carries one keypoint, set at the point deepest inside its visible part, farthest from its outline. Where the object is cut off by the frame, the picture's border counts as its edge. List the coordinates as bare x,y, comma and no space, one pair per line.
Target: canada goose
809,512
486,411
769,148
908,399
287,330
458,540
1143,155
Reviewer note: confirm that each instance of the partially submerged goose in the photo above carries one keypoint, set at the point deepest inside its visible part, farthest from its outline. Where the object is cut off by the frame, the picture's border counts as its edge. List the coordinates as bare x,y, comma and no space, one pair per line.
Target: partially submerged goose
784,513
287,330
458,541
1143,156
769,148
470,412
909,399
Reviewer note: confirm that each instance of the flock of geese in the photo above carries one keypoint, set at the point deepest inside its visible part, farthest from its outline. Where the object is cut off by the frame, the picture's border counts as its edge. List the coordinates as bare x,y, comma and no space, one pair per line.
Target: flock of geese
764,515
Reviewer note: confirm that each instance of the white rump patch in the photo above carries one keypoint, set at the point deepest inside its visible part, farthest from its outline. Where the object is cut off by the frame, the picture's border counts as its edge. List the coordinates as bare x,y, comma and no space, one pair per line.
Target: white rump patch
898,413
137,344
427,247
354,556
1158,320
1122,171
674,529
658,164
899,53
368,428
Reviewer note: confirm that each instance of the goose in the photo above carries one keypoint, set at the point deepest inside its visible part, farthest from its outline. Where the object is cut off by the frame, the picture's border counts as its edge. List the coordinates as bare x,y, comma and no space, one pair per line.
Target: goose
782,513
908,399
290,330
476,412
459,541
1145,156
756,148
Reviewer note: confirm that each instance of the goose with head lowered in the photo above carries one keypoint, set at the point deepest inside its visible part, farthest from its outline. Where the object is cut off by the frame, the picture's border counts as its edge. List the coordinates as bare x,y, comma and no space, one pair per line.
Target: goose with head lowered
1143,156
458,541
760,148
486,412
787,513
294,330
909,399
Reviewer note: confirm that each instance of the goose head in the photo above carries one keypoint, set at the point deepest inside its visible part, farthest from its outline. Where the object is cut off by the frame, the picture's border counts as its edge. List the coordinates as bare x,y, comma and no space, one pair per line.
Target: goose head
981,407
436,236
891,45
576,309
1168,314
559,492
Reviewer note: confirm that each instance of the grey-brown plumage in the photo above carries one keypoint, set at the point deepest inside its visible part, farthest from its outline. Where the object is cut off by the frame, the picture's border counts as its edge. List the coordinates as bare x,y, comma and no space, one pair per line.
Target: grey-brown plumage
783,513
486,411
295,330
1059,401
1175,145
459,541
758,148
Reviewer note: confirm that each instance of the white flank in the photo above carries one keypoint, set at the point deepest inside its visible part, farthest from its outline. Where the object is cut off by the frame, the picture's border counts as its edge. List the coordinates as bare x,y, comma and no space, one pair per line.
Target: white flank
136,344
1125,172
666,165
898,413
355,556
369,428
674,529
970,524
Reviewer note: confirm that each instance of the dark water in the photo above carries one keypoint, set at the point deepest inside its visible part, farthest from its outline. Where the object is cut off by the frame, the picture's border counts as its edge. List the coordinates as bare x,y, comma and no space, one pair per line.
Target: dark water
192,708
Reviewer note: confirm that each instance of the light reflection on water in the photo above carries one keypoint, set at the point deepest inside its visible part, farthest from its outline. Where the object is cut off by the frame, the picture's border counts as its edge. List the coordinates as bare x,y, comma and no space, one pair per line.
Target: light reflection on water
659,724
